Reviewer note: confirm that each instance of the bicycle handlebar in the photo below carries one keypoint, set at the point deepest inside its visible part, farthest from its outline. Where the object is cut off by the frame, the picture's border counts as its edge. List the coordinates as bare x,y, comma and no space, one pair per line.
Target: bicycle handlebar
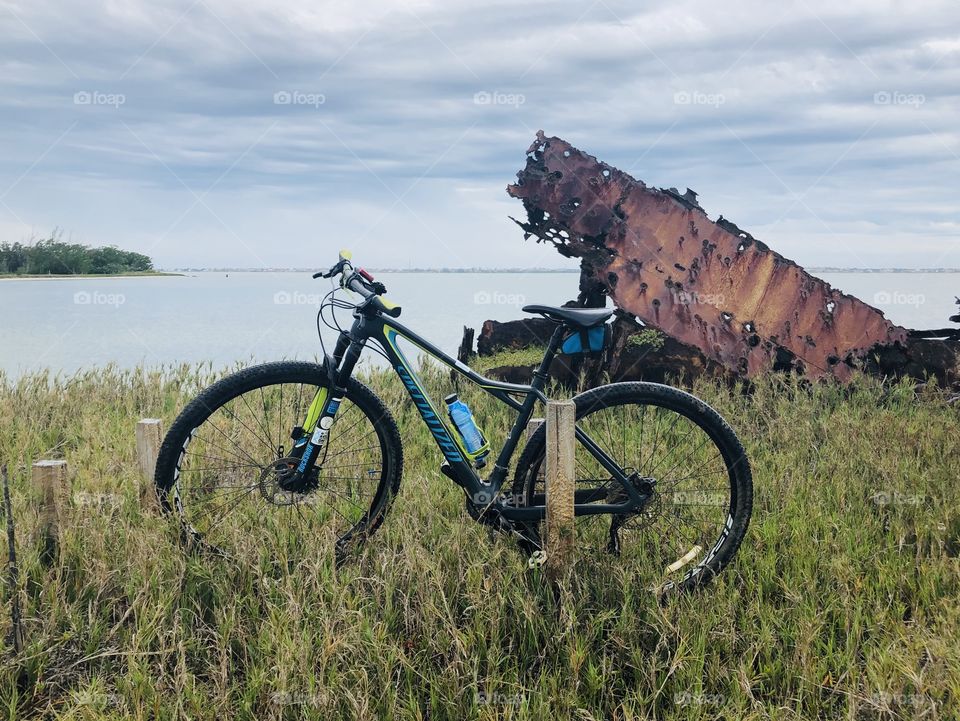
360,282
358,285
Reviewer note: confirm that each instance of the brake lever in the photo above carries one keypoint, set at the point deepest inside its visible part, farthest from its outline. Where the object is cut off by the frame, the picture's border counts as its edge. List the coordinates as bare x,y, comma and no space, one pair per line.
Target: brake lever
330,273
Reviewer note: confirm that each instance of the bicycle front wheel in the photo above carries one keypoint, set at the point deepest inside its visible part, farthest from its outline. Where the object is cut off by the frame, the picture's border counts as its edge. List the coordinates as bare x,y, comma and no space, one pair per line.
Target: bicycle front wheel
674,443
223,469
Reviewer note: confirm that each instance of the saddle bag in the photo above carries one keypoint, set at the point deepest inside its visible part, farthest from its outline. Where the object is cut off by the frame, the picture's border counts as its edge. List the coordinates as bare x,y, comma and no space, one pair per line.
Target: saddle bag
586,340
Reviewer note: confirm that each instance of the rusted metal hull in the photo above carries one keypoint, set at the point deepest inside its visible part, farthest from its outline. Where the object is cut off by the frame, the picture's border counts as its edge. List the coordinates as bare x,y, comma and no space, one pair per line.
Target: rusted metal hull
703,282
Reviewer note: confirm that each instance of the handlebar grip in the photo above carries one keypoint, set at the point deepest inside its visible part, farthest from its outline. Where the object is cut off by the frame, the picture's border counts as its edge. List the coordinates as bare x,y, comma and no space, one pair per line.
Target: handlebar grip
356,285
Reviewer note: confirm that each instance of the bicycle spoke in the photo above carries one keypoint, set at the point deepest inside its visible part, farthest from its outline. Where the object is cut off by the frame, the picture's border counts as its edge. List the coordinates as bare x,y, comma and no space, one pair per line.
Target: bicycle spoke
217,429
686,513
232,499
218,468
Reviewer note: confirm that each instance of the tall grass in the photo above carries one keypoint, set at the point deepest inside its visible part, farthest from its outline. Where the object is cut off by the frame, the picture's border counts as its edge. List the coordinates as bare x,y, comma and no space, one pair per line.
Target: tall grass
844,601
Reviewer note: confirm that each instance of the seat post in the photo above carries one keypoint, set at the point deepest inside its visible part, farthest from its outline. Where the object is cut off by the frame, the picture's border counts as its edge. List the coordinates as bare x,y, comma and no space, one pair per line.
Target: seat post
538,382
541,374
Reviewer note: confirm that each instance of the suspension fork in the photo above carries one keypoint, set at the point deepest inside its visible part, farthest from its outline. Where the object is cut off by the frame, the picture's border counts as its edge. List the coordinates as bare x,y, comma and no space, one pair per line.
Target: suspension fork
323,409
343,342
318,404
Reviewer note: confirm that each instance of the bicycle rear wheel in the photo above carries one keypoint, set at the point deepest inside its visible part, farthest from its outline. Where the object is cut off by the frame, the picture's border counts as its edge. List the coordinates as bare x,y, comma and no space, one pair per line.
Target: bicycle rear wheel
224,466
702,498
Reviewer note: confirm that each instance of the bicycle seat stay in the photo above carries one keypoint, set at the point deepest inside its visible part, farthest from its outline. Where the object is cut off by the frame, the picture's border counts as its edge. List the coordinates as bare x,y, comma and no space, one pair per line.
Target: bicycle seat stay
580,317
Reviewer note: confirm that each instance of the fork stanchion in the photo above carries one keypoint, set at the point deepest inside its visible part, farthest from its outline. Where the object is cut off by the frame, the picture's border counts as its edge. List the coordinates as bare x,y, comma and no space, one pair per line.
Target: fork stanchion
560,480
149,435
51,478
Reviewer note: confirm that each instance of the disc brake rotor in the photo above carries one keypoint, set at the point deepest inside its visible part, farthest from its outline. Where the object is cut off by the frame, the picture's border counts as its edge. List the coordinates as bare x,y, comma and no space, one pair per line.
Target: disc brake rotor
273,480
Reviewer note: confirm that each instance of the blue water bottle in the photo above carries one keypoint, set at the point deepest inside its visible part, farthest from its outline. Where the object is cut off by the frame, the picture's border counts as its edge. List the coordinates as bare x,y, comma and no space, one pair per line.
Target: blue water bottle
473,440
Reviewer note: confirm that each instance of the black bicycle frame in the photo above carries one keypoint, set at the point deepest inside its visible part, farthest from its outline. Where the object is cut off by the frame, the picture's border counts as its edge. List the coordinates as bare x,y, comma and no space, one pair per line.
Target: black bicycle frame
370,324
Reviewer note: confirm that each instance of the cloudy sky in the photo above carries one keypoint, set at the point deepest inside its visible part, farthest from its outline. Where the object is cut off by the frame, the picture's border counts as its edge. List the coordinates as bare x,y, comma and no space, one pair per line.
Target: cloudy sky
270,133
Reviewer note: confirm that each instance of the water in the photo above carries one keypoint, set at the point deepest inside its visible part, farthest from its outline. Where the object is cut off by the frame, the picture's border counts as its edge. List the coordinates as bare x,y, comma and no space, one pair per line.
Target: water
69,324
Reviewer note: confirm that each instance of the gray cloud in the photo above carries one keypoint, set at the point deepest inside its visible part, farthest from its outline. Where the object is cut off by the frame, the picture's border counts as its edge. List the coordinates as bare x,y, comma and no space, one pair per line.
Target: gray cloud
256,133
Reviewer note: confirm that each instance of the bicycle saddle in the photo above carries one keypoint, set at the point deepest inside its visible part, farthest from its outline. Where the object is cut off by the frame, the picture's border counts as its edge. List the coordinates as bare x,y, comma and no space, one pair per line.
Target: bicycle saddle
581,317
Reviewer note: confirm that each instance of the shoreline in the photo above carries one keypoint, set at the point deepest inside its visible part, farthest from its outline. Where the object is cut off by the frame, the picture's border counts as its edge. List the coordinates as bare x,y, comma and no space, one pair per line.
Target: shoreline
64,276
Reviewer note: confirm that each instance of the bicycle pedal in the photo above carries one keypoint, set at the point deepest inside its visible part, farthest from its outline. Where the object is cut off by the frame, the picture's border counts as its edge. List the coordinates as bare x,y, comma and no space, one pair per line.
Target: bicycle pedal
537,559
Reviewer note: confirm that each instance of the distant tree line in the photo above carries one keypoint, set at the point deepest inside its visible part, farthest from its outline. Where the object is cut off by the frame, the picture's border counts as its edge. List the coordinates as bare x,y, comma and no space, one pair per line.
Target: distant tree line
54,257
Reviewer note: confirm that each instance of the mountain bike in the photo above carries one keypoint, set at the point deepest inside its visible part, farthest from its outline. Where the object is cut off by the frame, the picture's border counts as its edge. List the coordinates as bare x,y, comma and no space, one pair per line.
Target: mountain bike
292,453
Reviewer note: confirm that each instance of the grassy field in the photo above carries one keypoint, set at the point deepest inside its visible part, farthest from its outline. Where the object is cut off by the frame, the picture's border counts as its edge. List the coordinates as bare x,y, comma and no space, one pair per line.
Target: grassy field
844,602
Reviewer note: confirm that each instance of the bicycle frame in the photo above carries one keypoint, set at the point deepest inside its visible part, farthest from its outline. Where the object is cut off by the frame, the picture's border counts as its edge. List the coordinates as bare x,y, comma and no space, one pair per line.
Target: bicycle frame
370,324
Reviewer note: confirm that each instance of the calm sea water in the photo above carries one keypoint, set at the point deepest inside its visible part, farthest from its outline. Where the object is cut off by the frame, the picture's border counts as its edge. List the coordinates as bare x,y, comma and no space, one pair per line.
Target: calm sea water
69,324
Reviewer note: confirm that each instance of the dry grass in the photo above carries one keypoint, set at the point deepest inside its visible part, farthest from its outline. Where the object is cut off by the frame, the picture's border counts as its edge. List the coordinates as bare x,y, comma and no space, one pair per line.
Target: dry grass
843,603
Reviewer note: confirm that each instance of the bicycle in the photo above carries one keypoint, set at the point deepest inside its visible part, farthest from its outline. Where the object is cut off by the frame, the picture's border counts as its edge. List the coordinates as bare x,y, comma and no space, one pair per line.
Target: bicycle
330,453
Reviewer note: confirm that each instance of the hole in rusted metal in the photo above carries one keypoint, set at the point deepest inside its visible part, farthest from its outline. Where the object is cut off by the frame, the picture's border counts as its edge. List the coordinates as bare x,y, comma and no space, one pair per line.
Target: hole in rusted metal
783,361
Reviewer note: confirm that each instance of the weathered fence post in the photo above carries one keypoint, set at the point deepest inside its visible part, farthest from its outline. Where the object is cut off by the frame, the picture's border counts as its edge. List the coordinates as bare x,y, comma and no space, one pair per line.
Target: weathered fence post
560,480
13,573
51,477
532,425
149,435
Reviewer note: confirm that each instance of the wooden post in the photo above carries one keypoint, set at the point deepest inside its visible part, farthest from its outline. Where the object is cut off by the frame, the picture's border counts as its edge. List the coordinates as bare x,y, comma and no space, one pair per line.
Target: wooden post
532,425
13,573
51,477
465,351
560,480
149,435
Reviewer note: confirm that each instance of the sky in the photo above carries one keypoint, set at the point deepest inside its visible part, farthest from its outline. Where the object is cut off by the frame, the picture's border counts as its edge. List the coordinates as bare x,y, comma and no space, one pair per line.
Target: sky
256,133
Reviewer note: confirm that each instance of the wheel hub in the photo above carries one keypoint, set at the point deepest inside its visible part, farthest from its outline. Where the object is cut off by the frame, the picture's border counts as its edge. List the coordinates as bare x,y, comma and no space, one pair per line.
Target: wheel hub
279,485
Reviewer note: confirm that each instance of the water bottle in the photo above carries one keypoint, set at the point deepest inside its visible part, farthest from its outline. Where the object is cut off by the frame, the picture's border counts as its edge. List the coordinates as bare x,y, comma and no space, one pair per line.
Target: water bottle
476,445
